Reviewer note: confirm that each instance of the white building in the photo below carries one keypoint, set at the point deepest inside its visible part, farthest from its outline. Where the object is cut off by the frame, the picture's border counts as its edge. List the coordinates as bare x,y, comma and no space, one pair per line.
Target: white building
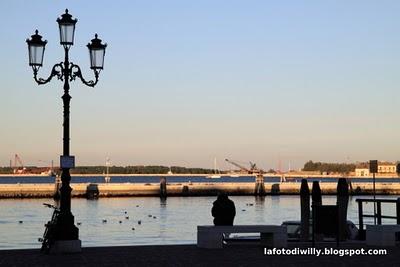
386,167
362,169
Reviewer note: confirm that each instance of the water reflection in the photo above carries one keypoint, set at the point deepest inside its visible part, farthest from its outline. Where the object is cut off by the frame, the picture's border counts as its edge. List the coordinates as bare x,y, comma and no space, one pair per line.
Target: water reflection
172,221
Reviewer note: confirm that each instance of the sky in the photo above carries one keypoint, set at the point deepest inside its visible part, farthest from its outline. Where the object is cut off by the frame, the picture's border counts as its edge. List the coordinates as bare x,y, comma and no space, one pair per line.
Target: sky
273,82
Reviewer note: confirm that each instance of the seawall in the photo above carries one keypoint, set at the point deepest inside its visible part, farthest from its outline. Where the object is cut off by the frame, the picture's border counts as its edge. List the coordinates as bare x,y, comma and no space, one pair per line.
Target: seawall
186,189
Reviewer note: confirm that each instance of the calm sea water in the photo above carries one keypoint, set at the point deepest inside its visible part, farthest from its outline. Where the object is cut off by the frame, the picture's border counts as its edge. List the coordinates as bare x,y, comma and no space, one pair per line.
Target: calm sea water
172,221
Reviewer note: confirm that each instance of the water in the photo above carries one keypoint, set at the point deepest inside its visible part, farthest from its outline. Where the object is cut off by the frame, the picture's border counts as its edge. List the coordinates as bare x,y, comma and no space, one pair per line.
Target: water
175,179
175,222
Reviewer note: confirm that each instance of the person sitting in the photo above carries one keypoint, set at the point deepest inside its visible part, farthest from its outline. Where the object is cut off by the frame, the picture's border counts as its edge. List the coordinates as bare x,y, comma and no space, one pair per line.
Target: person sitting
223,210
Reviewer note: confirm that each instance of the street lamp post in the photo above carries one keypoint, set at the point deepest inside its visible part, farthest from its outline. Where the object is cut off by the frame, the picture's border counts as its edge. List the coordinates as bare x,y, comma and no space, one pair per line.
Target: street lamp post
66,71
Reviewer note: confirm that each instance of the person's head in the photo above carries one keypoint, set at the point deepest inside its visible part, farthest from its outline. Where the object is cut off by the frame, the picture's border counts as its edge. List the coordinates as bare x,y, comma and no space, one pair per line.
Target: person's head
222,196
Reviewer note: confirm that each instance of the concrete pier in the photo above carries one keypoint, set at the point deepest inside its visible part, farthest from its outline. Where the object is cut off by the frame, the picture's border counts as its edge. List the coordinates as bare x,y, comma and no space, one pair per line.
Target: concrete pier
186,189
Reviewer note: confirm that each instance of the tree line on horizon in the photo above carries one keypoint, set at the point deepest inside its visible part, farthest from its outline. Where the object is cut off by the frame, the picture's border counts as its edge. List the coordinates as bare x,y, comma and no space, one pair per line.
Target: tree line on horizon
138,170
324,167
121,170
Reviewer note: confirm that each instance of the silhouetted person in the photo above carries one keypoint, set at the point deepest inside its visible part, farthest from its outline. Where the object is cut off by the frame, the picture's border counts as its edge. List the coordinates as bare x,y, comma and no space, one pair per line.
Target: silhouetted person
223,210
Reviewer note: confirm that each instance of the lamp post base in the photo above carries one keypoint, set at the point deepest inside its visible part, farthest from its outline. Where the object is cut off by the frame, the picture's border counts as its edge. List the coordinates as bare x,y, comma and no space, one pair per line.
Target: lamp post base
65,228
66,246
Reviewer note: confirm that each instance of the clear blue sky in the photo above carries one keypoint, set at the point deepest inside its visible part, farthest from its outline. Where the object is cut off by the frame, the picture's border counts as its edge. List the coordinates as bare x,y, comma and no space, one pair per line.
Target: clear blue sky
187,81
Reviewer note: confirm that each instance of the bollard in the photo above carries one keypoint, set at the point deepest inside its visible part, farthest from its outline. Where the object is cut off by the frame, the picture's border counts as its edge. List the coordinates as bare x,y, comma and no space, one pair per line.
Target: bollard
305,210
342,202
163,187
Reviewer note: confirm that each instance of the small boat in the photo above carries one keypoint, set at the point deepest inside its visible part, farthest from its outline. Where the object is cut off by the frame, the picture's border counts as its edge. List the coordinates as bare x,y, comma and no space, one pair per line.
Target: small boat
170,171
107,178
213,176
216,175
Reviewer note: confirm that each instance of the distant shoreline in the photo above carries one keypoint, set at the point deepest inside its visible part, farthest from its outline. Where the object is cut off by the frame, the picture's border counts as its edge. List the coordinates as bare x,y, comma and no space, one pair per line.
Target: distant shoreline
299,175
185,189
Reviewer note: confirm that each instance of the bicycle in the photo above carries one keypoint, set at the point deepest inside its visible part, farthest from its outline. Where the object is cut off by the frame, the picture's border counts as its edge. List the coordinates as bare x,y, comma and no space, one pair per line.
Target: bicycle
49,232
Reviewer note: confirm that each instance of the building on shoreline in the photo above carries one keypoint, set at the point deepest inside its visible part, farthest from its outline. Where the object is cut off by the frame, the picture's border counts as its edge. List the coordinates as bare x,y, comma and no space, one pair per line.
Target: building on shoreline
362,169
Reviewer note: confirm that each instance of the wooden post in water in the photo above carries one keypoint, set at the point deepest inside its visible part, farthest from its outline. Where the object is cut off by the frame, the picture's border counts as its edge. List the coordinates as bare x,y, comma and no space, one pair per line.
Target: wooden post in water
316,201
305,210
260,188
163,187
316,194
342,202
56,195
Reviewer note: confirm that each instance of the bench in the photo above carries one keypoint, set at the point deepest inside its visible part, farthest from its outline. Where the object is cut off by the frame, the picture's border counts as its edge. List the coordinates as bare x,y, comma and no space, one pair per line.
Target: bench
209,236
382,235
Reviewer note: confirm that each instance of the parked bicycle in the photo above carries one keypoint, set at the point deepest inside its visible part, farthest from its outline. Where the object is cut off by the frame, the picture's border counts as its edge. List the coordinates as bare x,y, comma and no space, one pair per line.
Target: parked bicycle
49,232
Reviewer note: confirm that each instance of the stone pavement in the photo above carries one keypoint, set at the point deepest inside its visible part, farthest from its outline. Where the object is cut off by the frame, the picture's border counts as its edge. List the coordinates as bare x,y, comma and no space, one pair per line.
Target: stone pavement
187,255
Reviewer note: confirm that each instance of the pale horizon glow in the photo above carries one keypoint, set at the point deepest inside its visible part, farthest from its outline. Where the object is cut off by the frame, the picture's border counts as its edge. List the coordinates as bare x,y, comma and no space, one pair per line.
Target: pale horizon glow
184,82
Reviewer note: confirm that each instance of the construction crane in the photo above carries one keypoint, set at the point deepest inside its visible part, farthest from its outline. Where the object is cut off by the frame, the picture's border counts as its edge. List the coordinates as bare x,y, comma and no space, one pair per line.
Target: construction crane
259,189
252,170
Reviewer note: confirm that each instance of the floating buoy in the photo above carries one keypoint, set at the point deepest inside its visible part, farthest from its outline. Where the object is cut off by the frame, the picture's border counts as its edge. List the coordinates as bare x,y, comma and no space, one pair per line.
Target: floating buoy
139,222
150,215
127,217
243,210
78,223
154,217
133,228
20,221
126,212
104,221
120,221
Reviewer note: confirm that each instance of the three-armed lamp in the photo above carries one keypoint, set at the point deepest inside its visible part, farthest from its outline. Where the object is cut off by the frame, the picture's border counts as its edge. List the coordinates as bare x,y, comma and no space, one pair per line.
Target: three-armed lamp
66,71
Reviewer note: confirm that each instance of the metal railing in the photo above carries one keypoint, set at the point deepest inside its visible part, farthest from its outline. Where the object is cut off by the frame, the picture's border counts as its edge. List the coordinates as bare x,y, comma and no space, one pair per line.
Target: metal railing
378,215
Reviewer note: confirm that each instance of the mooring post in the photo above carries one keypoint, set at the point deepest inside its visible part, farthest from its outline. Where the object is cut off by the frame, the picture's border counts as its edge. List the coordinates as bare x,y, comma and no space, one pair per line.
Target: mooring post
305,210
316,201
260,188
163,187
316,194
342,202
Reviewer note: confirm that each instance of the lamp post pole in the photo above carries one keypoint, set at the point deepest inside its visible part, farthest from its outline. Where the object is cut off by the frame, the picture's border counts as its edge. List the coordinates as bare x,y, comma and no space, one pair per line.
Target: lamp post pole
64,228
65,190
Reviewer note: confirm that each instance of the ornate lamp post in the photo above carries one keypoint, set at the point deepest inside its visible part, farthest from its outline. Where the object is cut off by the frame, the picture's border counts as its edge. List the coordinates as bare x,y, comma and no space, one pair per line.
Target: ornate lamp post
66,71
